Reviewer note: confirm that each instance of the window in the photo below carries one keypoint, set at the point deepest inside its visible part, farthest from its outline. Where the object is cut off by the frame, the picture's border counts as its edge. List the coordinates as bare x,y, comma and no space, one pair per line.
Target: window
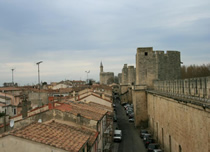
14,111
145,53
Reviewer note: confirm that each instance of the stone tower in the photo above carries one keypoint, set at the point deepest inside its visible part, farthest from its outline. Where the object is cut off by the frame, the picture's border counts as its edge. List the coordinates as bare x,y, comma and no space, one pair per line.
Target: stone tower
125,74
106,77
151,65
131,75
156,65
120,78
145,66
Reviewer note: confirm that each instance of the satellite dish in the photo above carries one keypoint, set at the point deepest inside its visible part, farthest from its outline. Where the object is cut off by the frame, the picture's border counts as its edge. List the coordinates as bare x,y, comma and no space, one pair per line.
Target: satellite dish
40,121
11,123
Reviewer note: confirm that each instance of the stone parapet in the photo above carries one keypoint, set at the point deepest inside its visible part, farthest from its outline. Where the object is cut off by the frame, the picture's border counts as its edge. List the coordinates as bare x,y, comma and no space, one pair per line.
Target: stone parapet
195,87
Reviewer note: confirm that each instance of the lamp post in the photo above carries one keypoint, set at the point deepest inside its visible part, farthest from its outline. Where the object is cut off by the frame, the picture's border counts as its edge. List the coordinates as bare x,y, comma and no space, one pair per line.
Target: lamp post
12,76
87,75
40,103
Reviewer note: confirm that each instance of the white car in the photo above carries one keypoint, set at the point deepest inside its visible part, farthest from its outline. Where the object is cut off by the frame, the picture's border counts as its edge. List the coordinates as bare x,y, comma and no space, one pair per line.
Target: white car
117,135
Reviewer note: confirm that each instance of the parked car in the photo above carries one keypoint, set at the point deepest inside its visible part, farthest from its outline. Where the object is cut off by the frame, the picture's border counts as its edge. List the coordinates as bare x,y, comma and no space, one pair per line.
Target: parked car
117,135
129,112
146,136
142,132
123,104
115,118
152,147
131,105
149,141
126,106
157,150
131,120
131,115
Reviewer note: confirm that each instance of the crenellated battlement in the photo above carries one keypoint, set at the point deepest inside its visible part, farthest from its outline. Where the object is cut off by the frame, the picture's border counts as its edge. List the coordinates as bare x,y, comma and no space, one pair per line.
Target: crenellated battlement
156,65
195,87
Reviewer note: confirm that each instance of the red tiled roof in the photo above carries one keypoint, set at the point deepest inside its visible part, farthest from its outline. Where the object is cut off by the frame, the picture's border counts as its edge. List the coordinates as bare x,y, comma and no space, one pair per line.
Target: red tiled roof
94,94
9,89
83,109
93,134
97,105
54,134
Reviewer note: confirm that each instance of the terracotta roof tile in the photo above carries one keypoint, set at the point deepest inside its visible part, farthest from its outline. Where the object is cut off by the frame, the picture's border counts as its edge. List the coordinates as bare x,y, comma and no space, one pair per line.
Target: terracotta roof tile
54,134
93,134
83,109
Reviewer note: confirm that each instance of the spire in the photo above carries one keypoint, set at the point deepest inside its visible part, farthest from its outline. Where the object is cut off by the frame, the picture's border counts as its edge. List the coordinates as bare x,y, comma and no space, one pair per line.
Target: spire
101,67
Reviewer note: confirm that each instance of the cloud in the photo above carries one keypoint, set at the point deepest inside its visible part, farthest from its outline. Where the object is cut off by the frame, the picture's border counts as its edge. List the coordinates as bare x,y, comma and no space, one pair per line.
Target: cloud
74,36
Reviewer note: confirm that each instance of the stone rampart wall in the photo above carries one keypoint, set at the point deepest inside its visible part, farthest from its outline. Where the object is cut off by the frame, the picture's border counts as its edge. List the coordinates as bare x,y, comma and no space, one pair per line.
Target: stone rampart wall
197,87
178,125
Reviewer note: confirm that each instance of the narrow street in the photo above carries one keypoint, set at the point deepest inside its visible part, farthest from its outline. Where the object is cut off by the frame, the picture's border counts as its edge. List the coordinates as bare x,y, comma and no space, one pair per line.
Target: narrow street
131,142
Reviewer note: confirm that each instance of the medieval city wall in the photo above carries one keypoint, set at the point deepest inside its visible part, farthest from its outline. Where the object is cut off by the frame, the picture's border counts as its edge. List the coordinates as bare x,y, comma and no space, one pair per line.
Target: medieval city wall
139,99
179,125
195,87
126,94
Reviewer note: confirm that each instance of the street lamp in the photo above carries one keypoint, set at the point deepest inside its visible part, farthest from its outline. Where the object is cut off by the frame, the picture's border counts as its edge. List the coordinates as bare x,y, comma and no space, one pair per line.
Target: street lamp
87,75
40,103
12,77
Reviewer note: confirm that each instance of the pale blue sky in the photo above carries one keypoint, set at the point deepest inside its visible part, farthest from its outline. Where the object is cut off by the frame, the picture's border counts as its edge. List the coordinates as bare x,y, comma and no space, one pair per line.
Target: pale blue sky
71,37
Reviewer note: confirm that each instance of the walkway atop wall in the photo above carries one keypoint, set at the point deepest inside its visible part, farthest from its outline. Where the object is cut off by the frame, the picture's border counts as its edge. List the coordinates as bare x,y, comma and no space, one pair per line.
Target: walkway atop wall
205,103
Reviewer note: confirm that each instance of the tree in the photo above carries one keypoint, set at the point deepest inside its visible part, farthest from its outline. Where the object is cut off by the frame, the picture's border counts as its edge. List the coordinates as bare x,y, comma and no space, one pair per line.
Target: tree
194,71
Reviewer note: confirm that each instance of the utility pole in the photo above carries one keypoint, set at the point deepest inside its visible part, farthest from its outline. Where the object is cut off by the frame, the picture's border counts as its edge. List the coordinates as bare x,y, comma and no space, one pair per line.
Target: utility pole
12,76
87,75
40,103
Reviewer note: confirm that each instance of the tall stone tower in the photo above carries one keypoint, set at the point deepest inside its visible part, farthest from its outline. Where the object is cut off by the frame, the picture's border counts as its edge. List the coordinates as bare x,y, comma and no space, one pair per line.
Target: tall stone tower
125,74
131,75
156,65
120,78
152,65
145,66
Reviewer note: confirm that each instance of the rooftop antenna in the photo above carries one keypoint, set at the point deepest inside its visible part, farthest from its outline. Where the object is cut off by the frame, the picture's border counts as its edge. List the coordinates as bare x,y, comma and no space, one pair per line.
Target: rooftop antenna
11,123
